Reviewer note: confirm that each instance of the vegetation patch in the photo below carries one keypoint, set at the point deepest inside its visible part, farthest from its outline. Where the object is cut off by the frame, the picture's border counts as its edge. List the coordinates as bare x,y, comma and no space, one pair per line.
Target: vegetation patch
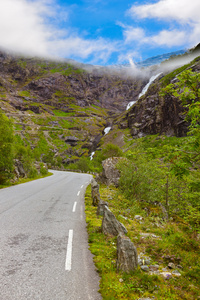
24,94
173,243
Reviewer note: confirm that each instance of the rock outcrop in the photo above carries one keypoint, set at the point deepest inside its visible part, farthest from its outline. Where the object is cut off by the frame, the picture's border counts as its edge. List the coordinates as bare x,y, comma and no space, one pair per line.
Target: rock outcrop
101,207
95,193
110,174
154,114
19,169
127,258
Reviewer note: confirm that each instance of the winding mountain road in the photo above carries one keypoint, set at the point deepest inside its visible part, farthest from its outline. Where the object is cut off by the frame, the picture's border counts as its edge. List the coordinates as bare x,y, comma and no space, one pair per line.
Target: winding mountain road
44,249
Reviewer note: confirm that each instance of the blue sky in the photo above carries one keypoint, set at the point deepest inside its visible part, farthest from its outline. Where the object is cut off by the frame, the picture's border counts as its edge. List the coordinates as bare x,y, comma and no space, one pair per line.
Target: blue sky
99,32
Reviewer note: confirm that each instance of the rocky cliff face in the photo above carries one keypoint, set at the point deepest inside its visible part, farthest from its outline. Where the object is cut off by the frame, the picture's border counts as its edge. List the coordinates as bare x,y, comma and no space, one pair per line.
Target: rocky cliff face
59,84
153,114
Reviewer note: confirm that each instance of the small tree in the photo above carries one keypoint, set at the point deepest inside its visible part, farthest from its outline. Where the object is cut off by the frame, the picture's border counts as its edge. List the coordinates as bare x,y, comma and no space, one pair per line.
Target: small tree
6,148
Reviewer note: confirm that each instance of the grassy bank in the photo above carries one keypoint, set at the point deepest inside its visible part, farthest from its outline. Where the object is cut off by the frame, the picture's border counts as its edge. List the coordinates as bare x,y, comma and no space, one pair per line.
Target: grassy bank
24,180
167,241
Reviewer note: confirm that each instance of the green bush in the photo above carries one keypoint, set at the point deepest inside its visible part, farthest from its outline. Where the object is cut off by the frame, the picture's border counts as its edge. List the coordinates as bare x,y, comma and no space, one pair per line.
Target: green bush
111,150
43,169
6,148
32,172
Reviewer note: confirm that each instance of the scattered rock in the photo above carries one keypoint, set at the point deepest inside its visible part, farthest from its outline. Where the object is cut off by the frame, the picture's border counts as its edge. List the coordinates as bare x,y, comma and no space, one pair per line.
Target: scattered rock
145,268
180,267
165,269
127,259
95,193
171,258
143,260
166,275
138,218
153,267
171,266
110,225
176,273
146,235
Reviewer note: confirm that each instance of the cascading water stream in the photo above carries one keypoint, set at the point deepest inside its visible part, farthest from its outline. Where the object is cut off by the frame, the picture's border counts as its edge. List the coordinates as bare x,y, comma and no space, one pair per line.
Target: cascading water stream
92,155
106,131
144,90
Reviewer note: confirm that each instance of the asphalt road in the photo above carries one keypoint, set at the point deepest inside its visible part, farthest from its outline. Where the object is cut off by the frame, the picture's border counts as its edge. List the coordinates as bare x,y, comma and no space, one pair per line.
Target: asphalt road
43,248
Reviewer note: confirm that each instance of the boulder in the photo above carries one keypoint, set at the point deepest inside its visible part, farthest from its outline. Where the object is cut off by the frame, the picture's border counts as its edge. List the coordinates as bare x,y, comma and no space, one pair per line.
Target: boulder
110,225
127,259
110,174
95,193
101,206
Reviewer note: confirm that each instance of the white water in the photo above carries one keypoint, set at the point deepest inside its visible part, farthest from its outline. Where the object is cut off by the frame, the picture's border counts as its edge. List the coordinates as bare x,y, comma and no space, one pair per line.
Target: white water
130,104
145,89
106,130
92,155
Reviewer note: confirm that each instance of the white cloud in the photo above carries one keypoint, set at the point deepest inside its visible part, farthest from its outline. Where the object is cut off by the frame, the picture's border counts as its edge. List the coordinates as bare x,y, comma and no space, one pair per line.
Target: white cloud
28,27
183,13
179,10
133,34
126,56
168,38
22,27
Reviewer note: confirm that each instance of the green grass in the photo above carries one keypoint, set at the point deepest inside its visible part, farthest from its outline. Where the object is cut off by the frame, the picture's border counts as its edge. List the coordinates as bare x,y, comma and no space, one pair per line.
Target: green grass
59,113
167,78
24,94
65,69
24,180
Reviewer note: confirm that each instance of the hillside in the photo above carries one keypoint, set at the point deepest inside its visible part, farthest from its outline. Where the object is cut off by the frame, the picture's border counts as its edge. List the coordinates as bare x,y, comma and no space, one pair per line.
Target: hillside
60,109
155,114
67,106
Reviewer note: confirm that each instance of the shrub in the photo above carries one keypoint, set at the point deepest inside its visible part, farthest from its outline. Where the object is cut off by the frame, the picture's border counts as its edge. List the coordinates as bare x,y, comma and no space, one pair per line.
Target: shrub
6,148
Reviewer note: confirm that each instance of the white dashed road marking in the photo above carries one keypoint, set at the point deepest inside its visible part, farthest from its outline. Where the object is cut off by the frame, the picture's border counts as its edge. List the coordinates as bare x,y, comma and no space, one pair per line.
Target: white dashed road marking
68,262
74,207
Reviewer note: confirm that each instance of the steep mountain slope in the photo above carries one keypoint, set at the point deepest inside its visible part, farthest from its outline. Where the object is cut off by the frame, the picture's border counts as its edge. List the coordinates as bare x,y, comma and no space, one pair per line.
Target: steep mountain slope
154,114
61,110
67,106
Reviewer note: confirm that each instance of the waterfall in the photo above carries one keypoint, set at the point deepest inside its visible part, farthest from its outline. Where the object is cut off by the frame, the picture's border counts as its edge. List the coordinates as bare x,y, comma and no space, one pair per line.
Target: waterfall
130,104
145,89
106,130
92,155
